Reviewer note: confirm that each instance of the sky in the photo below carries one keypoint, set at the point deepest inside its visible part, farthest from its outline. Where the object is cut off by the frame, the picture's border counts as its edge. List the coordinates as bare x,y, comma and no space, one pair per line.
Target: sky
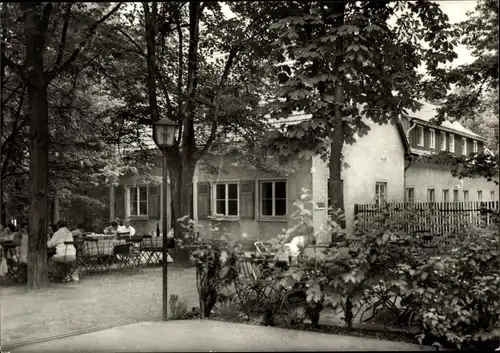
456,11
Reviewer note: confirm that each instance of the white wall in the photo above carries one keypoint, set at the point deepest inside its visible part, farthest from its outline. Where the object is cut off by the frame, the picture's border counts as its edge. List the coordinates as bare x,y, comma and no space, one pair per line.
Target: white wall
378,156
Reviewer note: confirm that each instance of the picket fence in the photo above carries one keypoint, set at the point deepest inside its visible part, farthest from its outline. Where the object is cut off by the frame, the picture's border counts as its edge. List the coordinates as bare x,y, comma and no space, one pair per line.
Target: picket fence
429,217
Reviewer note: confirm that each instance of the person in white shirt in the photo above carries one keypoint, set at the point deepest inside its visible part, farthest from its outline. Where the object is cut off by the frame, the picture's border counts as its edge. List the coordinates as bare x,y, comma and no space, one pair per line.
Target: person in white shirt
64,253
126,228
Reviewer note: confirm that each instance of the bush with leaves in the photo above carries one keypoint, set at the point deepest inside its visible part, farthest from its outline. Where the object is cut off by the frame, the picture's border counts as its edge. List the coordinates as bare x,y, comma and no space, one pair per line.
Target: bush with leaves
457,295
215,261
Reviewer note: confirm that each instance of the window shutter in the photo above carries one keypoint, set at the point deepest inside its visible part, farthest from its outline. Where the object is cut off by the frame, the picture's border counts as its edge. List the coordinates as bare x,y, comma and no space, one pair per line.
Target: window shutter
203,200
120,201
247,193
154,202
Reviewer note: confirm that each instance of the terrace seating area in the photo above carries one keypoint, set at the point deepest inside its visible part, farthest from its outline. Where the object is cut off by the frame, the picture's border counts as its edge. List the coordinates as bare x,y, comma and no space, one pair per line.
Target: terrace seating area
95,254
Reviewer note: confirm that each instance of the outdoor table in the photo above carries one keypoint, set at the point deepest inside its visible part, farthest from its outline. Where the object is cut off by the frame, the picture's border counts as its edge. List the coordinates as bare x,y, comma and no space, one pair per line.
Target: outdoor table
102,247
101,236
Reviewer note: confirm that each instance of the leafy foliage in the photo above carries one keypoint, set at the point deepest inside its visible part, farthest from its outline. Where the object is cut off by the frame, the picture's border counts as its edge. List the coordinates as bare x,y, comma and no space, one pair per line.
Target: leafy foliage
475,165
473,81
451,293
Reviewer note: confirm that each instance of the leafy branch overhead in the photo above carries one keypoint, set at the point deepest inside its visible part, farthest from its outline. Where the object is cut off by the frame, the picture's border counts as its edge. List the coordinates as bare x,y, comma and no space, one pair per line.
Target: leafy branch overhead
482,165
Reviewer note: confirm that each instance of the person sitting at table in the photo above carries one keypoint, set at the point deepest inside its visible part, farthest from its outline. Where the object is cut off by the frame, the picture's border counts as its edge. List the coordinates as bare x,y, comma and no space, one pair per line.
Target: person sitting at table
52,230
64,253
8,233
21,240
126,228
112,229
78,232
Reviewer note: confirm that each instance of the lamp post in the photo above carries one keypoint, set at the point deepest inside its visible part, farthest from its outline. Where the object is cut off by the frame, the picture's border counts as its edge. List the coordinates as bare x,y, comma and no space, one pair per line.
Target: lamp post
164,136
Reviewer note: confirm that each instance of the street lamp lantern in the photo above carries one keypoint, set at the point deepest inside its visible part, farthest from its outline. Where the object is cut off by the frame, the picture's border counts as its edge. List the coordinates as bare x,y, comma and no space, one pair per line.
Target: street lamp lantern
164,133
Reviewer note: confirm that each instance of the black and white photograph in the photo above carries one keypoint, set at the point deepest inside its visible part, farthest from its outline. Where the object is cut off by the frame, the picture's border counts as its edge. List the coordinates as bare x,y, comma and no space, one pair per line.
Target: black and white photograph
207,176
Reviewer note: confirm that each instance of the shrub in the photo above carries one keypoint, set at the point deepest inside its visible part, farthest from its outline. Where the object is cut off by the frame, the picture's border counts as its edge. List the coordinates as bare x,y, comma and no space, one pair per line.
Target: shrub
178,308
215,261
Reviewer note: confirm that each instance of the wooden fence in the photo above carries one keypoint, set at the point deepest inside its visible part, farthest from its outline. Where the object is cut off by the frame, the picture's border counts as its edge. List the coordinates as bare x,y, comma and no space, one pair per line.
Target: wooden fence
429,217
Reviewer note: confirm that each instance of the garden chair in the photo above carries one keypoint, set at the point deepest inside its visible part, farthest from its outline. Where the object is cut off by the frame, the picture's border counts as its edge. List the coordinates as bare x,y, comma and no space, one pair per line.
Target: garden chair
123,257
256,289
61,271
151,250
16,271
91,258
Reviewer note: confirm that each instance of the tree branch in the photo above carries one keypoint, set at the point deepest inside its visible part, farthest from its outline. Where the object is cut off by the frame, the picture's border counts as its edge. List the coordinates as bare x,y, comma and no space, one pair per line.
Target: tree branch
131,40
58,69
62,43
227,69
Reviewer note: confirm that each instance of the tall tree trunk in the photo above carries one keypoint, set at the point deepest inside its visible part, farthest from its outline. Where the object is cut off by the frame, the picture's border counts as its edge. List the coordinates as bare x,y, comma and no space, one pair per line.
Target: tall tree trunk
181,177
35,28
337,8
3,214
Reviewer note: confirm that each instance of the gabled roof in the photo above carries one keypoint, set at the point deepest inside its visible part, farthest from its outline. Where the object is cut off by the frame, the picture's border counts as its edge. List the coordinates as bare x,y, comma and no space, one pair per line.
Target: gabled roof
428,111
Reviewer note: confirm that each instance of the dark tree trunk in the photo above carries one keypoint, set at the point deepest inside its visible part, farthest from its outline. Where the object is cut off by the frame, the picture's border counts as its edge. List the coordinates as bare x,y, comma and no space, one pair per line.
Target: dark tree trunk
181,177
35,28
337,136
3,213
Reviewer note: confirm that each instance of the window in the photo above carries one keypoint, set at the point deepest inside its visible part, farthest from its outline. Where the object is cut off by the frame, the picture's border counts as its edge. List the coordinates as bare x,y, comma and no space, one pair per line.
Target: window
431,195
443,141
452,143
466,195
455,195
380,193
273,198
432,138
492,196
226,199
420,136
464,146
139,201
480,195
410,195
474,146
446,195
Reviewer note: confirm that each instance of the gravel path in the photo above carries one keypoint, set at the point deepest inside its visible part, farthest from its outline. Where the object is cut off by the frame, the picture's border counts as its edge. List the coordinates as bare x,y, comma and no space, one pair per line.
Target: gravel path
97,300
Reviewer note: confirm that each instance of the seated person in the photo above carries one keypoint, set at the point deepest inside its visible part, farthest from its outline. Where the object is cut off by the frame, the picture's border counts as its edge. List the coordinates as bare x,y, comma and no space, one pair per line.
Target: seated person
112,229
52,230
8,233
78,232
21,240
126,228
64,253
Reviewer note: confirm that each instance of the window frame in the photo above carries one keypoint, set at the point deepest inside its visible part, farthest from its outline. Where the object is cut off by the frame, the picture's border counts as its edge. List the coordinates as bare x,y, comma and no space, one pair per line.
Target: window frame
128,199
445,192
377,200
432,138
492,195
474,146
214,198
480,195
433,193
420,136
464,146
451,142
456,193
407,197
464,194
444,141
274,181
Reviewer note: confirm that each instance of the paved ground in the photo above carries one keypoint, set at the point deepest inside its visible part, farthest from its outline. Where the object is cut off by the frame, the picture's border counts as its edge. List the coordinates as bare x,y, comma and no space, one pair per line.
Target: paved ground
97,301
207,335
